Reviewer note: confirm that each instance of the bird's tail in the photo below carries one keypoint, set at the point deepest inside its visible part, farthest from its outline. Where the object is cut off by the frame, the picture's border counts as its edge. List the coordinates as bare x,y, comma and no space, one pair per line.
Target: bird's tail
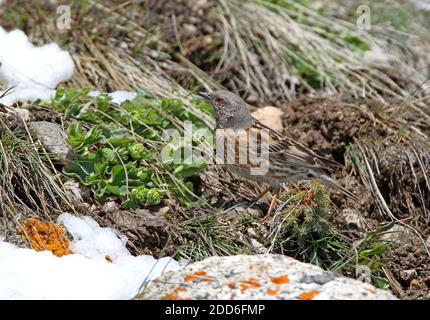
333,184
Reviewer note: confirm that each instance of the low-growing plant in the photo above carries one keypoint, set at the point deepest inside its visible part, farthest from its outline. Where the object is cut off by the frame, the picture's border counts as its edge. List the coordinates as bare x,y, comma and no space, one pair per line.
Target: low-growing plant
116,148
209,235
305,230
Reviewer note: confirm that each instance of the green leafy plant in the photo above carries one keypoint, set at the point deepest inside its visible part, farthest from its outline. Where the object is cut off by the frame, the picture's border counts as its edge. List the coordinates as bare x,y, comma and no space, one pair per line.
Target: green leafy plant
117,147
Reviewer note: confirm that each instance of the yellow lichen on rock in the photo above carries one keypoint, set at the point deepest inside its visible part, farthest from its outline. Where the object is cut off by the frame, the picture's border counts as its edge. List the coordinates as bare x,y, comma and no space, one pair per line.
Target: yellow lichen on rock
45,236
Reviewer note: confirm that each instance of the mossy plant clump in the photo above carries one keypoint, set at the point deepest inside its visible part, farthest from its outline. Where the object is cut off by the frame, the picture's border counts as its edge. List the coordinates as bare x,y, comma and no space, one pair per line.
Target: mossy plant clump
304,230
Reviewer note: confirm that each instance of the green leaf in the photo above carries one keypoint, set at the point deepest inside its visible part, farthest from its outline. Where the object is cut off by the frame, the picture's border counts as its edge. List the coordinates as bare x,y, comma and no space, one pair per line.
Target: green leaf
356,42
75,134
375,250
381,282
80,169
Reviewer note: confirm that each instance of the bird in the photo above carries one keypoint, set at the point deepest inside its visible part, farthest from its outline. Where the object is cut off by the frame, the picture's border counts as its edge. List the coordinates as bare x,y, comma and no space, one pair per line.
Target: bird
288,160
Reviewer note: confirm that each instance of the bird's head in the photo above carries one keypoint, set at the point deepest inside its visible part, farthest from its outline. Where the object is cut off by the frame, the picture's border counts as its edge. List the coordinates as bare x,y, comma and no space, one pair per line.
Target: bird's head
230,109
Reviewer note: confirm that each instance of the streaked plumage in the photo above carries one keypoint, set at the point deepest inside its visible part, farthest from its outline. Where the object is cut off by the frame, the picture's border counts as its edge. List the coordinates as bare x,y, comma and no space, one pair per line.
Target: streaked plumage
288,160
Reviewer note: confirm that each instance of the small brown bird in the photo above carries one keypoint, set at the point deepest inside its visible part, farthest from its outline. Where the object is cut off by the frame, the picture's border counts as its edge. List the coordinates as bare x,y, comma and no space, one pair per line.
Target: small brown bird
288,160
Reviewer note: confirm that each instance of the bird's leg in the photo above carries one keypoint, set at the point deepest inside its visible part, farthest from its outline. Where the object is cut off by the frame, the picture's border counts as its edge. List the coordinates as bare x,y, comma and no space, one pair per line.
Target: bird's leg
272,205
261,194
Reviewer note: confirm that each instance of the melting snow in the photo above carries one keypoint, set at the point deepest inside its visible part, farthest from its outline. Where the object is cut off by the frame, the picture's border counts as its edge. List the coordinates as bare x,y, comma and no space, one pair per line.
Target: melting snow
116,96
422,4
86,274
34,71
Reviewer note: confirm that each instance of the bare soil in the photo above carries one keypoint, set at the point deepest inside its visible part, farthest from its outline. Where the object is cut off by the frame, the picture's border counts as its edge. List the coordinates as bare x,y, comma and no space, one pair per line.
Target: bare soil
328,126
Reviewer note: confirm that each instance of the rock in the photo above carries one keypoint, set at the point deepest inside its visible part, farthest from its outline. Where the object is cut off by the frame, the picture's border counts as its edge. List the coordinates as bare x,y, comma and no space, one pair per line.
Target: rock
257,277
23,114
270,116
408,275
252,99
207,41
153,219
254,212
252,233
137,220
111,207
399,234
75,194
353,218
190,29
257,246
52,136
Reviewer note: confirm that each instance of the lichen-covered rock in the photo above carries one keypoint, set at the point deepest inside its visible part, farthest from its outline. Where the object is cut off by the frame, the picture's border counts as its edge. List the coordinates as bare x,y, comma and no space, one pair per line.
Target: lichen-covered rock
257,277
52,136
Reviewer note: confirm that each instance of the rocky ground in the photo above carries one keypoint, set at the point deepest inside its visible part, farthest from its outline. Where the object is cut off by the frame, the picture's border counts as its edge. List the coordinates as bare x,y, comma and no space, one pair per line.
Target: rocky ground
382,139
273,277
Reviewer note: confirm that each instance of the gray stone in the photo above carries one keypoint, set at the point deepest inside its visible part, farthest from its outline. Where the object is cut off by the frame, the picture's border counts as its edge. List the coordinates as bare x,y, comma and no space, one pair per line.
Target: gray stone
353,218
399,234
408,275
254,212
75,194
52,136
263,276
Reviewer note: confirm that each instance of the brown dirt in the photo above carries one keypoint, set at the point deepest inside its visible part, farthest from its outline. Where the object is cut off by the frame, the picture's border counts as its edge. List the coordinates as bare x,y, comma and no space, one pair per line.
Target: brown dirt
329,126
43,114
188,28
410,266
185,25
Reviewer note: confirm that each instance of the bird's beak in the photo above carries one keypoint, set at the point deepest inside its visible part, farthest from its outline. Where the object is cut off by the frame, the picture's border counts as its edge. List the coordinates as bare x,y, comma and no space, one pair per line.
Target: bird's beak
207,97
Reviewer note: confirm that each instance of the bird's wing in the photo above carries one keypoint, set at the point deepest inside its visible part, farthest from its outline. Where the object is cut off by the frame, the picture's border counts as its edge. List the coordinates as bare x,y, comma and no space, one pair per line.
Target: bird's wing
293,153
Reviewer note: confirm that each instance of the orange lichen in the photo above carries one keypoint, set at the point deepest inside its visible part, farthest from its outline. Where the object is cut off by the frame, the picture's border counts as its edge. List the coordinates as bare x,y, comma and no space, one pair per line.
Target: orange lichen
251,283
254,266
174,295
272,292
280,279
198,274
245,284
309,295
232,285
371,290
45,236
170,296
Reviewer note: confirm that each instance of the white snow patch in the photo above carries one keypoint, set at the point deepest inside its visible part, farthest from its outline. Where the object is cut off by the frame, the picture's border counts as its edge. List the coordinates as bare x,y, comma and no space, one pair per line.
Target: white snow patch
86,274
116,96
422,4
34,71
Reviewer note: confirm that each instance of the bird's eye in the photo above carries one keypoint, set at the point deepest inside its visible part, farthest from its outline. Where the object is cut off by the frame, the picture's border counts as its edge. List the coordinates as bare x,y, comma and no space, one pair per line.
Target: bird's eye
219,100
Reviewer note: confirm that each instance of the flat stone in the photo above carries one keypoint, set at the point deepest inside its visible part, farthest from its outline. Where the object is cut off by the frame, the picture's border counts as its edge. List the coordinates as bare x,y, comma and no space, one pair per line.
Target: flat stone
52,136
262,276
399,234
353,218
270,116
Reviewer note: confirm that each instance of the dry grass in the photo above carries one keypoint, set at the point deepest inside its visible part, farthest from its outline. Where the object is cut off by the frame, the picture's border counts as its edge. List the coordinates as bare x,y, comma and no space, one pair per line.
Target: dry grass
277,53
30,184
